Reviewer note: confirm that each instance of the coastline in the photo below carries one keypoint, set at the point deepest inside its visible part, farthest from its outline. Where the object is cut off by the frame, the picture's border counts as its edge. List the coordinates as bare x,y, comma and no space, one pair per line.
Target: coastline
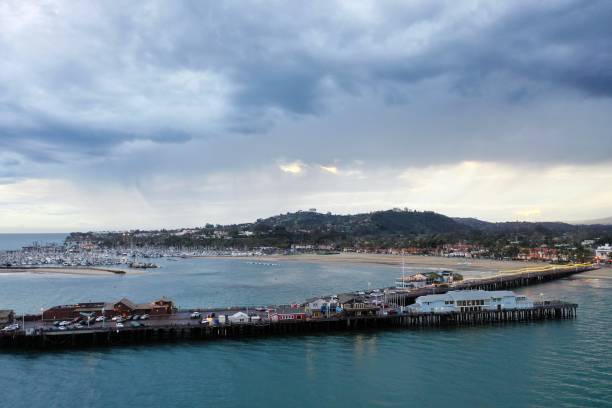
410,261
72,270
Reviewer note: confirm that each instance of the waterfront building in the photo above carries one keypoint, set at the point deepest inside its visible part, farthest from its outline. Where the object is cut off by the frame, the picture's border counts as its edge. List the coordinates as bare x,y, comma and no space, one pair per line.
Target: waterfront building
124,306
288,312
239,317
411,281
317,307
469,301
604,252
420,280
6,316
358,306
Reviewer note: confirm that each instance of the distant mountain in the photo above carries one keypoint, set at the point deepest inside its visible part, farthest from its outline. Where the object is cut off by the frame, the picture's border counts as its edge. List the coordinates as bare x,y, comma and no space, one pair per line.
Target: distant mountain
599,221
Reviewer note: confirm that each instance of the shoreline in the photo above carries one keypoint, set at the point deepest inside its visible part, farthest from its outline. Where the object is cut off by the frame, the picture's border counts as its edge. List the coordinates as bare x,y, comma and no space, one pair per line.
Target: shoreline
69,270
410,261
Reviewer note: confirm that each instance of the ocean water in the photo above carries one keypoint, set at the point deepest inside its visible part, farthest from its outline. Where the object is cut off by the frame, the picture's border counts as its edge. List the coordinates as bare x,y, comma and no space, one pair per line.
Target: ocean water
16,241
543,364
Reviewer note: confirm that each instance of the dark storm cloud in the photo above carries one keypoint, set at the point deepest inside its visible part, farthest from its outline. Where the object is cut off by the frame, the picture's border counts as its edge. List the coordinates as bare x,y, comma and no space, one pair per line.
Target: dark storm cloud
80,79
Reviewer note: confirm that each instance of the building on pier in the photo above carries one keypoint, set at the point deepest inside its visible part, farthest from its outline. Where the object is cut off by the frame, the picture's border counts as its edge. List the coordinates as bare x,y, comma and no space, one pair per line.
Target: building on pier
417,280
470,301
604,253
124,306
6,316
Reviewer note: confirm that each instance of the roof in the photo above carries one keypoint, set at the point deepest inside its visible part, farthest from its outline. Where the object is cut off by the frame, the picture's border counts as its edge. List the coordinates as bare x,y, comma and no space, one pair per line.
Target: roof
467,295
285,309
128,303
412,278
348,298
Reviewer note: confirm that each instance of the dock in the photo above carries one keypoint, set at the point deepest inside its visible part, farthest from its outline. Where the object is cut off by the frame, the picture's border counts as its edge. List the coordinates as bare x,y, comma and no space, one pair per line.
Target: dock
175,330
167,323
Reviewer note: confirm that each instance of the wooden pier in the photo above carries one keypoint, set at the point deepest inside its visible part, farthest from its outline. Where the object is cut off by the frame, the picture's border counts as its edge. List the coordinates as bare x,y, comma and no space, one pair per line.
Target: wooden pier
525,277
172,329
107,337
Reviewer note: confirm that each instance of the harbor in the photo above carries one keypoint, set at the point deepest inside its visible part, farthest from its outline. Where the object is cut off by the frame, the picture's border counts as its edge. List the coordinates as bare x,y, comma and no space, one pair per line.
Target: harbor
124,322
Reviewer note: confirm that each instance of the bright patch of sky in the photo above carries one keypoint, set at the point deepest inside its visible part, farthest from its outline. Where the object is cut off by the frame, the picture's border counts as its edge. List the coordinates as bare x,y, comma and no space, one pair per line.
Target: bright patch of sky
158,114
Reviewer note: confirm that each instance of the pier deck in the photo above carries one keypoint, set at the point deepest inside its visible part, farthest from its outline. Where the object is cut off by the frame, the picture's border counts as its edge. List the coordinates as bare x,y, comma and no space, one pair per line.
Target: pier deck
36,333
175,329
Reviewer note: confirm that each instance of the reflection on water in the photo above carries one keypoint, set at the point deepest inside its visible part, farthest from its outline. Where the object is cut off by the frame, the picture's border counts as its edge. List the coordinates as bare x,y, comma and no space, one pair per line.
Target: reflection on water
540,364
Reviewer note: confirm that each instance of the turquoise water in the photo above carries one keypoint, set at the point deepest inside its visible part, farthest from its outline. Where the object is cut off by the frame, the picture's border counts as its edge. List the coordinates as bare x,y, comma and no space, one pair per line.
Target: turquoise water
544,364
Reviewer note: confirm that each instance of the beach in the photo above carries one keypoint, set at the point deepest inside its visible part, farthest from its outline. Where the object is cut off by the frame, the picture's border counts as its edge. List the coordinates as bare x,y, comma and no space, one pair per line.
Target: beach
410,261
69,270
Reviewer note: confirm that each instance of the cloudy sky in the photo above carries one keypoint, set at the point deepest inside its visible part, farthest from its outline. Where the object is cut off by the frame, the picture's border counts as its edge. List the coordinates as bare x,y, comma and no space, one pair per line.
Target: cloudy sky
150,114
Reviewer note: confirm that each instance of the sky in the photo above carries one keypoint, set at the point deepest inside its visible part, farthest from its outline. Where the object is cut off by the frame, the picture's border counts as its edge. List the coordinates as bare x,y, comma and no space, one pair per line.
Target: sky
157,114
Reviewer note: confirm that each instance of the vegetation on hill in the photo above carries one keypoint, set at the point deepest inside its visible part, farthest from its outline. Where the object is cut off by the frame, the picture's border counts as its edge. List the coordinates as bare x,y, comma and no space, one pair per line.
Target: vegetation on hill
381,229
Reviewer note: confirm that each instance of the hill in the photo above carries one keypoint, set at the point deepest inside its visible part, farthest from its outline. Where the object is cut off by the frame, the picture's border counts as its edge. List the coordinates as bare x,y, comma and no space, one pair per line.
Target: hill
599,221
379,229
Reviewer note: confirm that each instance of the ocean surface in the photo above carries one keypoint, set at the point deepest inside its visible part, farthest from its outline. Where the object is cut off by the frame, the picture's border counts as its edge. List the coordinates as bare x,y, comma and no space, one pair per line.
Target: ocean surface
544,364
16,241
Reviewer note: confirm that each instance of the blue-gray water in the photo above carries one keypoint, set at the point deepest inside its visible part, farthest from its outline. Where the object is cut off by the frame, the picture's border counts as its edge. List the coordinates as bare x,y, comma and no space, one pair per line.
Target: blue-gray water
16,241
544,364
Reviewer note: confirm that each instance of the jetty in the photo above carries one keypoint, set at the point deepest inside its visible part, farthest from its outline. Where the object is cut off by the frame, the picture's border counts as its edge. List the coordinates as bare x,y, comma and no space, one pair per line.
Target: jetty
180,329
465,303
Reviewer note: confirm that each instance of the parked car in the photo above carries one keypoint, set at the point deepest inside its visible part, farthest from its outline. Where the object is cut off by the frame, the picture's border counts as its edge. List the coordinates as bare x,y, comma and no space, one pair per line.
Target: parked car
136,324
144,317
100,318
135,317
204,322
196,315
11,327
119,325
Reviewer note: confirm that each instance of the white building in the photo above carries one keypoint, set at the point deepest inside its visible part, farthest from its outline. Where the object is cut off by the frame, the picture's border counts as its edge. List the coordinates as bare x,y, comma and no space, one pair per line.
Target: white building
604,252
411,281
239,317
316,305
470,300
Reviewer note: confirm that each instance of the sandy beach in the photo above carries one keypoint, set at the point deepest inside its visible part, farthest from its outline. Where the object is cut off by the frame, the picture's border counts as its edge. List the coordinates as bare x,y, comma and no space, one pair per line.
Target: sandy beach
411,261
85,271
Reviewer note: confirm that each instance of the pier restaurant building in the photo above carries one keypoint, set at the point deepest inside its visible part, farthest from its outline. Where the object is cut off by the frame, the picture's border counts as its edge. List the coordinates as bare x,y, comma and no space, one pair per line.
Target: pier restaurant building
469,301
